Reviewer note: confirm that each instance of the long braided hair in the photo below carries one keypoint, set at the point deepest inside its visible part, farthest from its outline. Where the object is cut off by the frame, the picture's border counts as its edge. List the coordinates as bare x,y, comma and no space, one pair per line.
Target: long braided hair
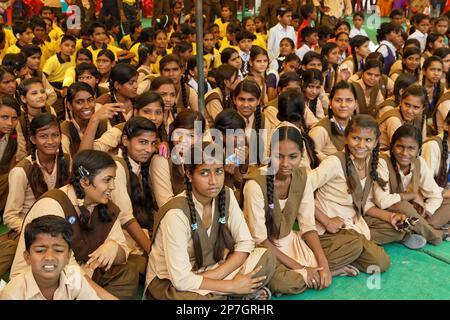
121,74
363,121
141,195
442,177
87,164
443,53
37,181
405,131
225,72
282,133
402,82
22,90
224,239
357,42
291,108
8,158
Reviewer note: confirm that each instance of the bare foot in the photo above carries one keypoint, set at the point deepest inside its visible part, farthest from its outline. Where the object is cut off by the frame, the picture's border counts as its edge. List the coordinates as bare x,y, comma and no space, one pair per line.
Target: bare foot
347,271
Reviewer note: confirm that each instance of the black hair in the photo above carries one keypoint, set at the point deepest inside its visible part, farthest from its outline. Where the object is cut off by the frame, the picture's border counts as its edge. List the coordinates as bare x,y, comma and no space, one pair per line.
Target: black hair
244,34
281,11
310,56
83,67
291,108
225,72
226,54
357,42
145,49
396,12
30,50
94,25
308,31
11,148
229,119
121,73
287,77
306,10
37,182
442,177
48,224
14,62
403,81
342,85
225,239
412,42
409,51
20,27
85,52
68,38
22,90
87,164
419,17
107,53
431,38
371,64
437,89
359,14
367,122
283,133
310,76
385,29
324,32
416,90
141,195
173,58
342,22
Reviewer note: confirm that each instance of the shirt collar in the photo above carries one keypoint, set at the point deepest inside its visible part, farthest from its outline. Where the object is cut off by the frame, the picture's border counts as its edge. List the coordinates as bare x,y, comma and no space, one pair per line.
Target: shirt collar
60,58
103,47
31,287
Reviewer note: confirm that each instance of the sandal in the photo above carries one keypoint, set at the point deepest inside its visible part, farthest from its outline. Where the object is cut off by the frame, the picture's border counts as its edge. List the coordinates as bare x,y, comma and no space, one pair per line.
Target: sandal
258,294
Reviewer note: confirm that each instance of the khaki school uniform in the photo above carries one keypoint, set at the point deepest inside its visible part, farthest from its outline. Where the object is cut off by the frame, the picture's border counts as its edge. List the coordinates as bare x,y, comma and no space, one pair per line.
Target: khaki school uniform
293,244
322,142
213,107
160,177
21,140
367,95
390,125
145,78
421,182
21,196
172,256
332,198
266,134
122,199
44,207
110,139
72,286
431,153
441,113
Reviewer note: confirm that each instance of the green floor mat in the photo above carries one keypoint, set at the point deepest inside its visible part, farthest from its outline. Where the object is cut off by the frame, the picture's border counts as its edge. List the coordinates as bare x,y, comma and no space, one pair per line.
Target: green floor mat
413,275
441,252
3,229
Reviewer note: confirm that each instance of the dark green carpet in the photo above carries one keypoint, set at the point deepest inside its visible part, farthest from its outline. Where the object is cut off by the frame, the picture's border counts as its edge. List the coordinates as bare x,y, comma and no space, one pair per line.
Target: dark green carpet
413,275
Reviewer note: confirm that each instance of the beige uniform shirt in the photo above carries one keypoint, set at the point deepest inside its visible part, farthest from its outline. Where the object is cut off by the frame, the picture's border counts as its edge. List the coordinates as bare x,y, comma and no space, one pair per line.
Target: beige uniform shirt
322,142
172,256
442,110
21,197
46,206
432,155
21,140
292,245
367,94
160,179
72,286
265,135
121,198
388,128
332,197
428,188
338,8
213,108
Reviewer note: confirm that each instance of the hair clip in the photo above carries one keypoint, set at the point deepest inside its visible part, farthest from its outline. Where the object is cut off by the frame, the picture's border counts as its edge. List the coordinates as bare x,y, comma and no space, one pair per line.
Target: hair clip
223,220
80,202
194,226
83,172
271,205
72,219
